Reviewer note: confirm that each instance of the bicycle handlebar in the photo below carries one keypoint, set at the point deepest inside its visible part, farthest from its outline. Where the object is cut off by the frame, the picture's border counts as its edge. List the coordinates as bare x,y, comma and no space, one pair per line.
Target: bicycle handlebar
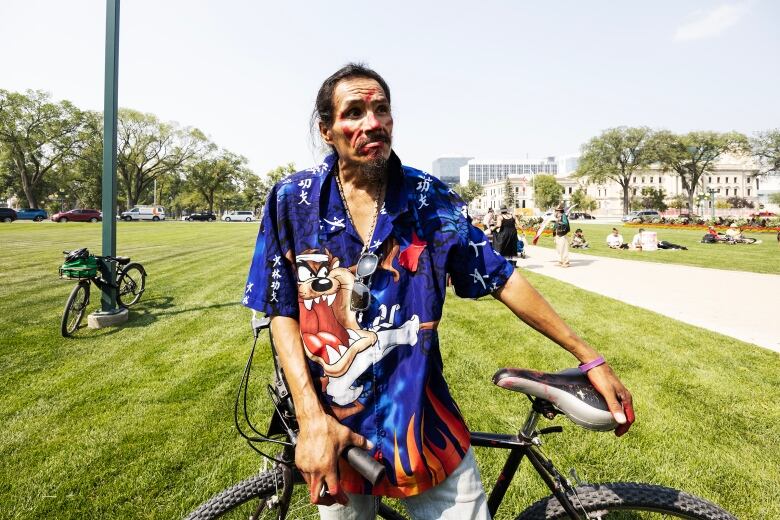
358,458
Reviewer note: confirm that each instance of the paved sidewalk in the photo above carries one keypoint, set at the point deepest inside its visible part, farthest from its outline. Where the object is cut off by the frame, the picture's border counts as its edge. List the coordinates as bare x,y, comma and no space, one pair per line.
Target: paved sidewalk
735,303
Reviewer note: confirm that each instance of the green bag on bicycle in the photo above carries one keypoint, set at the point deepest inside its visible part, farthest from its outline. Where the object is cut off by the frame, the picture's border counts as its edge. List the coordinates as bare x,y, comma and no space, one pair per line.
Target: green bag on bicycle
79,268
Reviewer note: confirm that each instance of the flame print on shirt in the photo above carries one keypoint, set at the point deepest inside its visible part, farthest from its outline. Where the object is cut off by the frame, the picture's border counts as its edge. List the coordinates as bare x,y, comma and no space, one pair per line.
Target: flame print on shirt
331,334
419,464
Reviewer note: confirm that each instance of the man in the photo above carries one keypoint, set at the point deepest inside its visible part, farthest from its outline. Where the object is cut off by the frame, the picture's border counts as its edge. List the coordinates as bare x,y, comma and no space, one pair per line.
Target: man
615,240
636,241
560,230
578,241
489,221
352,263
733,232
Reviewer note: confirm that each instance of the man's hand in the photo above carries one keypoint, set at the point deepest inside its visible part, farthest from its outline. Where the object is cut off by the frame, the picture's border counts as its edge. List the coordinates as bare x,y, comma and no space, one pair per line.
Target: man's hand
529,306
320,442
617,396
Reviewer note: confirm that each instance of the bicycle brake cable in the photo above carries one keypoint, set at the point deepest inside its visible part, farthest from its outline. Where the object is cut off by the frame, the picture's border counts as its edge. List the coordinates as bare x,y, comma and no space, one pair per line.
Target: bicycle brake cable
244,387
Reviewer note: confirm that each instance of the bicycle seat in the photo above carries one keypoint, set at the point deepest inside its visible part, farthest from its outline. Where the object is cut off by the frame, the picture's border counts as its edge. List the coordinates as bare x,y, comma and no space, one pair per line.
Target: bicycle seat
569,391
122,260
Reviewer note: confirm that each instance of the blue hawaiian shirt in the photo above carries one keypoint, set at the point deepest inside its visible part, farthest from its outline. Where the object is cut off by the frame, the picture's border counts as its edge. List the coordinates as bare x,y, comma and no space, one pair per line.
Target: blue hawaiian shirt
379,371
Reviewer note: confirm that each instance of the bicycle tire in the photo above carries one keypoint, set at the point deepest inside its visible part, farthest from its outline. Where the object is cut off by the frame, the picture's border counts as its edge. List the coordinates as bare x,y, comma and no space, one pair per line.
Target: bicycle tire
242,500
75,308
131,285
628,497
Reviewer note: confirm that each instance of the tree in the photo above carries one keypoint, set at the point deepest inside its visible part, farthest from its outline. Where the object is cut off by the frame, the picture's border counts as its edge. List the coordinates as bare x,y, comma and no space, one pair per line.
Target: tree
80,182
469,191
774,198
148,149
215,175
766,148
739,202
678,202
547,192
583,202
509,194
38,136
653,198
616,155
693,155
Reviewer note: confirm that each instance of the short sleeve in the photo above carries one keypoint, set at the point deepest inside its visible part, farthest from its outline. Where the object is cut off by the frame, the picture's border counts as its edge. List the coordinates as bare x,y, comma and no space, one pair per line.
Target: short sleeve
475,267
271,286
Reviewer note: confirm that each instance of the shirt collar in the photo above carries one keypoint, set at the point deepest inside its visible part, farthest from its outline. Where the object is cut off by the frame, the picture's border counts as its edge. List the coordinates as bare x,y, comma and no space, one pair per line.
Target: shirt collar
333,216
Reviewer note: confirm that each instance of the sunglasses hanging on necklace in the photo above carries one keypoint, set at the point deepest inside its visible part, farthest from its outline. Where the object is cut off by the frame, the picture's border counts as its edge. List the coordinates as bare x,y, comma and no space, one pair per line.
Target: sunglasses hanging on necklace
360,299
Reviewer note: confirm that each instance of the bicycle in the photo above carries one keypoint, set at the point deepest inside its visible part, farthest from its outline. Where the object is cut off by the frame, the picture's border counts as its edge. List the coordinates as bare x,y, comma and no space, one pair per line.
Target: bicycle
272,493
129,282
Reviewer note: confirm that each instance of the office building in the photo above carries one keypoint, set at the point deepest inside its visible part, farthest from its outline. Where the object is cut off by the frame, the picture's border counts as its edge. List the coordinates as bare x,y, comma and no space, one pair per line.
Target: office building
447,169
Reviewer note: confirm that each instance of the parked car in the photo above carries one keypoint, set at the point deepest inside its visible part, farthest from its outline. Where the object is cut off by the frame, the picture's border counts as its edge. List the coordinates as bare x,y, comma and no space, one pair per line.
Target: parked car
7,215
78,215
576,215
203,215
244,216
32,214
153,213
638,216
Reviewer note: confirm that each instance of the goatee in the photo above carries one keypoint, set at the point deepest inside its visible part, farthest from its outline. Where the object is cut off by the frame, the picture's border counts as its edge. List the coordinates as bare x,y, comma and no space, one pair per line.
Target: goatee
374,170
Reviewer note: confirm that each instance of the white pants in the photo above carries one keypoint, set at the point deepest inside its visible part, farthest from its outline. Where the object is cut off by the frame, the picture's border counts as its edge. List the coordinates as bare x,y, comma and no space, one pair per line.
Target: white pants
459,497
562,247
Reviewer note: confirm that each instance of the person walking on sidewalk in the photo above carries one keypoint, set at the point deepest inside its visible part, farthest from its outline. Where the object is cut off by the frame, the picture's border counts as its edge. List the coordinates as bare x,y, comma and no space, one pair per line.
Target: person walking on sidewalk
560,230
506,235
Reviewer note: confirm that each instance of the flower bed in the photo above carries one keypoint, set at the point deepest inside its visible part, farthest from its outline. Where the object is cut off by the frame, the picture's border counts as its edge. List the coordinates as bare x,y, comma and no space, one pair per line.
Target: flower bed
703,227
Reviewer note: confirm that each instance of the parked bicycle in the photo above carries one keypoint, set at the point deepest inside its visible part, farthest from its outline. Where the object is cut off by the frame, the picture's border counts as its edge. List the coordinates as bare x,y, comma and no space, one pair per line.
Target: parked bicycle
280,492
129,280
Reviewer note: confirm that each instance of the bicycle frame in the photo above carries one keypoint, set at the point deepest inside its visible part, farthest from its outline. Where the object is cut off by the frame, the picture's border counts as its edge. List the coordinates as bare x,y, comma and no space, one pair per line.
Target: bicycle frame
524,444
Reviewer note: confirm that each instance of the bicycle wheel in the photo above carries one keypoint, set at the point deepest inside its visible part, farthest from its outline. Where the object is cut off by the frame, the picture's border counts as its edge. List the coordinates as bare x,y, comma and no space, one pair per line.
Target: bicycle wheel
131,285
258,498
628,500
75,308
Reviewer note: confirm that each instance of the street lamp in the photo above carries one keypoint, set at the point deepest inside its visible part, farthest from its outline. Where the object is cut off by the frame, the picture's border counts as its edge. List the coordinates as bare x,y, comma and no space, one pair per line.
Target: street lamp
712,192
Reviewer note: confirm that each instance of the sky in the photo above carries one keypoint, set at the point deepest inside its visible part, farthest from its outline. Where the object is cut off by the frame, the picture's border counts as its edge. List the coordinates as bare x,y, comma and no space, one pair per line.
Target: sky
490,79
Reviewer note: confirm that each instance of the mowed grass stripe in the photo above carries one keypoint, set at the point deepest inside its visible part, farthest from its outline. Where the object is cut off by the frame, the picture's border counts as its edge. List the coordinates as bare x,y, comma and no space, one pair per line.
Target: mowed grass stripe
137,422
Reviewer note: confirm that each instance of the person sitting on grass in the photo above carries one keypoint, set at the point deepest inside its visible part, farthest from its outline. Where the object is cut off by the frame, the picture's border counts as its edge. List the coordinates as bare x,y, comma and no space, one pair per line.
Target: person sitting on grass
733,232
636,242
615,240
578,240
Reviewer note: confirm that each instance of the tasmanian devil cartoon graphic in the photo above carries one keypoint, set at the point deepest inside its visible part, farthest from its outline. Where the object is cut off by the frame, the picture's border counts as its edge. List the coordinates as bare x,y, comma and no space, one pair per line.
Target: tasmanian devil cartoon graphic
331,334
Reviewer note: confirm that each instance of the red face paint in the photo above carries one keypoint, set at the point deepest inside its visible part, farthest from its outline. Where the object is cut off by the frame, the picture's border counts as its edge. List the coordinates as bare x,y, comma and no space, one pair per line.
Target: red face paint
363,121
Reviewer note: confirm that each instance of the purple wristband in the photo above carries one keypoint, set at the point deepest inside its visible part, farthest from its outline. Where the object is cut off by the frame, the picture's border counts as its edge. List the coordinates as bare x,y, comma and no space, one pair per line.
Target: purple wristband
584,367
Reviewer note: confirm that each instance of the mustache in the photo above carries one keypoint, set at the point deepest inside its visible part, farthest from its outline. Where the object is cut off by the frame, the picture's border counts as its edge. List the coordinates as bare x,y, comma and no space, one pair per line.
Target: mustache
377,138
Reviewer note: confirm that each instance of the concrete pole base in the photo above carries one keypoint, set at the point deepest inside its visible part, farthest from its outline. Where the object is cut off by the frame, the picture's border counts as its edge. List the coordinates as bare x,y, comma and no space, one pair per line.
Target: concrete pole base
100,319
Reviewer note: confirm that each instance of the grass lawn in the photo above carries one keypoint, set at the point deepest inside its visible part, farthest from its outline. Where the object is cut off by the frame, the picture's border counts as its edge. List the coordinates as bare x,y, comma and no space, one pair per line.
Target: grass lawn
758,258
137,422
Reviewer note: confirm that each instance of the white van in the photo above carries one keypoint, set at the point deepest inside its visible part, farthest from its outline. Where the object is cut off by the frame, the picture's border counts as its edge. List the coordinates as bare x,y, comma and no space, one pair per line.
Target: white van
153,213
238,216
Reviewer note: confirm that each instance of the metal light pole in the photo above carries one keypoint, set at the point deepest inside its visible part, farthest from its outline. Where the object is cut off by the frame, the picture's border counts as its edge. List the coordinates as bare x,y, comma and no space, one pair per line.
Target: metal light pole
109,314
712,193
108,300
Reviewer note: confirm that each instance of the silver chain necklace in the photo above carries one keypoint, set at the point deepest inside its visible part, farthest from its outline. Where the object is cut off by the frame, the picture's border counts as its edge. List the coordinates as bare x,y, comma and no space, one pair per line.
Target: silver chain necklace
349,215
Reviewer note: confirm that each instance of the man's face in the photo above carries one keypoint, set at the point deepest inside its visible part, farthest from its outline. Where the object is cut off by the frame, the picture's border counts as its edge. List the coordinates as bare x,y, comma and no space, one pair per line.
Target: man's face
614,232
362,128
